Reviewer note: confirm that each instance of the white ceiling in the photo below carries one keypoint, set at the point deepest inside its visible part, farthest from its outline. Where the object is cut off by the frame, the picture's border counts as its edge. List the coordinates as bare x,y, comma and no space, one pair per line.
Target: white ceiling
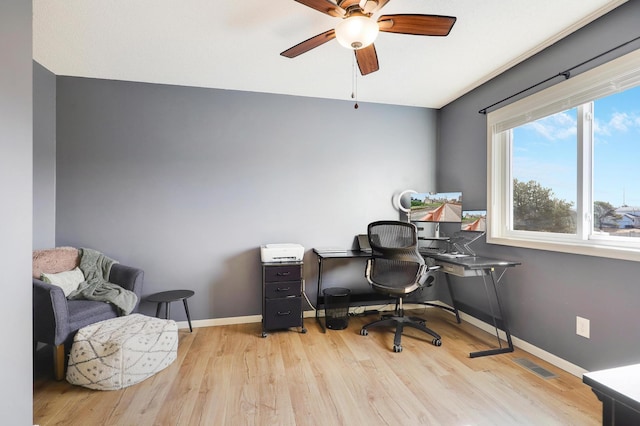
236,44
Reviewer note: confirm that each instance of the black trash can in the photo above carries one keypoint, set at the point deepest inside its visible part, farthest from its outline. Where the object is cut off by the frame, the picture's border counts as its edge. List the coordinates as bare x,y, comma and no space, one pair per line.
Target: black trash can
336,307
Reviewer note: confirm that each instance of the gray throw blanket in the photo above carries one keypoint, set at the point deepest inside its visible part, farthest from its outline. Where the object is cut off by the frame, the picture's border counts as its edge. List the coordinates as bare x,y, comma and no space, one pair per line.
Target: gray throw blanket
96,268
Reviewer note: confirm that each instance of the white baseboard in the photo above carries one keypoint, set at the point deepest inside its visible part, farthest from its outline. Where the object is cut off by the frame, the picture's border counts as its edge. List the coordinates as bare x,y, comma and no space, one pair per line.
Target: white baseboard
214,322
519,343
526,346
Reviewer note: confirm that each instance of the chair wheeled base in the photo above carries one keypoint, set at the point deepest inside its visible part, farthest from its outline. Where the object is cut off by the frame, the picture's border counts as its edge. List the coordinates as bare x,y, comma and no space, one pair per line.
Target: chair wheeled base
400,321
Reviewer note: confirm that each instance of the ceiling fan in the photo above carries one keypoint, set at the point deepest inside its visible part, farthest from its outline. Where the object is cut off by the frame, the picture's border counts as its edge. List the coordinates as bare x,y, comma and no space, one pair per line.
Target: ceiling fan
357,30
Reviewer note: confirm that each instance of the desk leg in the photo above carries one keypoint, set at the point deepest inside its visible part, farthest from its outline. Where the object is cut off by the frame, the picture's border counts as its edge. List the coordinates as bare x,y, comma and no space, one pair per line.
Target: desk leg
505,326
318,320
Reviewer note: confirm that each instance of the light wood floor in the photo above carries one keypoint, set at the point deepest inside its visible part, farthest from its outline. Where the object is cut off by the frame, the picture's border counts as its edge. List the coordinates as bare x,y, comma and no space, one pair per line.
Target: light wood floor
229,375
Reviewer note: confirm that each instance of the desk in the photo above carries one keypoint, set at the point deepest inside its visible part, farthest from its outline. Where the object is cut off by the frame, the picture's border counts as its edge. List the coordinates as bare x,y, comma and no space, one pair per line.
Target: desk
473,266
619,390
324,255
468,266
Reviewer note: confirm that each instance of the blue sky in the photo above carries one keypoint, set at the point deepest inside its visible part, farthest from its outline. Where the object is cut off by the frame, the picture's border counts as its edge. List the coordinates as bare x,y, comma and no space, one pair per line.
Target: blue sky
545,151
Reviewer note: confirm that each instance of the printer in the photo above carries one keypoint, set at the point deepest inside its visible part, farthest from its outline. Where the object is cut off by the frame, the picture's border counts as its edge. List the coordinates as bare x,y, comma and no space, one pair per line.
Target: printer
281,253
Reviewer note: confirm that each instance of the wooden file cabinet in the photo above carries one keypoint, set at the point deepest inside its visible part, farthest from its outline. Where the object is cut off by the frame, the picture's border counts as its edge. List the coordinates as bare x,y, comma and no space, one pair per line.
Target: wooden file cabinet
282,296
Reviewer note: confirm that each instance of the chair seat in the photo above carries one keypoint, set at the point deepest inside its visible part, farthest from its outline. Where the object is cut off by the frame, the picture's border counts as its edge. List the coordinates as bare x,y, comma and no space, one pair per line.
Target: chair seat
392,291
85,312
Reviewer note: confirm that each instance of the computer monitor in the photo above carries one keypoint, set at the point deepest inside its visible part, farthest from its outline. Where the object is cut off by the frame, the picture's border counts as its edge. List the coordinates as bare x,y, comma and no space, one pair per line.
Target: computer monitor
473,226
436,207
474,221
441,207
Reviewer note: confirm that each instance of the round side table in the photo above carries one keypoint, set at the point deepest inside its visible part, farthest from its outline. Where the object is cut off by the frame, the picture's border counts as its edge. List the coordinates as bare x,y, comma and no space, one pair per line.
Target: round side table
167,297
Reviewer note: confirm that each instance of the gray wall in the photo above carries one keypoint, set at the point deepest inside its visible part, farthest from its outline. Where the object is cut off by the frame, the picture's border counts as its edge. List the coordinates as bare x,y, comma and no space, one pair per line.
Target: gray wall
545,294
15,215
44,157
187,183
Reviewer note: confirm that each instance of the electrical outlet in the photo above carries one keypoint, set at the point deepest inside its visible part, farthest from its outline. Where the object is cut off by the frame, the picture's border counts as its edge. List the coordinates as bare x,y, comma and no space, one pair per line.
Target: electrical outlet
582,327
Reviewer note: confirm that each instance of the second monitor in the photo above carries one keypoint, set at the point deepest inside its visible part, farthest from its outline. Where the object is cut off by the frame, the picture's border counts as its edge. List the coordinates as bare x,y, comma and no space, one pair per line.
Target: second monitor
473,226
474,221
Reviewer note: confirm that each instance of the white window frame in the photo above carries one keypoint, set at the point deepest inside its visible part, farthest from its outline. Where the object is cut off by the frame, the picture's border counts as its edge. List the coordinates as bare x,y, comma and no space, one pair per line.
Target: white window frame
613,77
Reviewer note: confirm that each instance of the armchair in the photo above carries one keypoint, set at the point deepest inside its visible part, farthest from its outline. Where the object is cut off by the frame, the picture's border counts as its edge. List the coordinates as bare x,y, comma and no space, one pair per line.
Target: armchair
56,319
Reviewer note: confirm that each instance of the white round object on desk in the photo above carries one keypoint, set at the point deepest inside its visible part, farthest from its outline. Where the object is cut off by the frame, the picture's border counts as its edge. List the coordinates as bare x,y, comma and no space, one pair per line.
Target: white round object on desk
397,200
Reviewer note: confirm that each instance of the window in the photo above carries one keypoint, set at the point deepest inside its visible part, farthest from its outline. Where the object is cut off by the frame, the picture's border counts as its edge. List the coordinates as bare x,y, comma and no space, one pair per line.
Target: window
564,165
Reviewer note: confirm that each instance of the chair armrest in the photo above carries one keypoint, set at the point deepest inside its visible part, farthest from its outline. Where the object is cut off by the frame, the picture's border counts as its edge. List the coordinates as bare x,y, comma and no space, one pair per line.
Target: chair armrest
426,275
367,270
128,277
50,313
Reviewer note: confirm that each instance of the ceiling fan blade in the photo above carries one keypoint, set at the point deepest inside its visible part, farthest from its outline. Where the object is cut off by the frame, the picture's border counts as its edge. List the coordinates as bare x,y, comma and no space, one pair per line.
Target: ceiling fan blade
345,4
324,6
367,59
372,6
309,44
427,25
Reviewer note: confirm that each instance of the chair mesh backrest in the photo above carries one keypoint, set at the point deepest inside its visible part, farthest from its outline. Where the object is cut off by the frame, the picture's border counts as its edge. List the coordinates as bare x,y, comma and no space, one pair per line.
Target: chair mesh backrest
396,259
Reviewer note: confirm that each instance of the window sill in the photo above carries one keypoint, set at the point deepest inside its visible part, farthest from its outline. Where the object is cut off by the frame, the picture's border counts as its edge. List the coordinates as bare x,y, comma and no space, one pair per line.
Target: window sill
587,249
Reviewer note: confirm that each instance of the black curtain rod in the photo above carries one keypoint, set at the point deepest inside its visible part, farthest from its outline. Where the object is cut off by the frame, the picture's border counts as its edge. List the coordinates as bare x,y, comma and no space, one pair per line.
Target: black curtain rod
566,74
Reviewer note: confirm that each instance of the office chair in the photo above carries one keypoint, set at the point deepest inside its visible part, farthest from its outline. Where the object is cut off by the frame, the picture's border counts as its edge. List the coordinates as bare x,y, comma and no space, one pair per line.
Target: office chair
397,269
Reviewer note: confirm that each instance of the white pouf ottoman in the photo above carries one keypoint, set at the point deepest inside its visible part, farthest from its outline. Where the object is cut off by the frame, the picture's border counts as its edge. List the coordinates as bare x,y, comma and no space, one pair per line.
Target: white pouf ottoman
121,352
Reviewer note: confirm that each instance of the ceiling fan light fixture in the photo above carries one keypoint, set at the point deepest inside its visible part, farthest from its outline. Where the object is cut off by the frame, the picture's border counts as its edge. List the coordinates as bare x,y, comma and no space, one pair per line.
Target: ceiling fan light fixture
357,32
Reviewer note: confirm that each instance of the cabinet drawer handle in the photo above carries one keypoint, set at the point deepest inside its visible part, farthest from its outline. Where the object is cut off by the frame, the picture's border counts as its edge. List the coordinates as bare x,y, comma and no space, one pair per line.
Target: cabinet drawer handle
283,289
284,313
283,274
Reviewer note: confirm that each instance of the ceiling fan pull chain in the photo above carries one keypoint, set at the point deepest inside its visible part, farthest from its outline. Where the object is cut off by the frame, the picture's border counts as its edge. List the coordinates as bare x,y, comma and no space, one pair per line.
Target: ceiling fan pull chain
354,82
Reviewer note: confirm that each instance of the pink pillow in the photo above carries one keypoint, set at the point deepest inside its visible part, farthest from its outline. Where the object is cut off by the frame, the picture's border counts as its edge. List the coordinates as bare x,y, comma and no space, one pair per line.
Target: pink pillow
53,261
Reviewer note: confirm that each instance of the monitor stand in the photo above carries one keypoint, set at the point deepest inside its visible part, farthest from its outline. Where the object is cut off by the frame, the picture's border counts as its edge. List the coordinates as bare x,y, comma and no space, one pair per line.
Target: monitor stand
436,234
464,247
